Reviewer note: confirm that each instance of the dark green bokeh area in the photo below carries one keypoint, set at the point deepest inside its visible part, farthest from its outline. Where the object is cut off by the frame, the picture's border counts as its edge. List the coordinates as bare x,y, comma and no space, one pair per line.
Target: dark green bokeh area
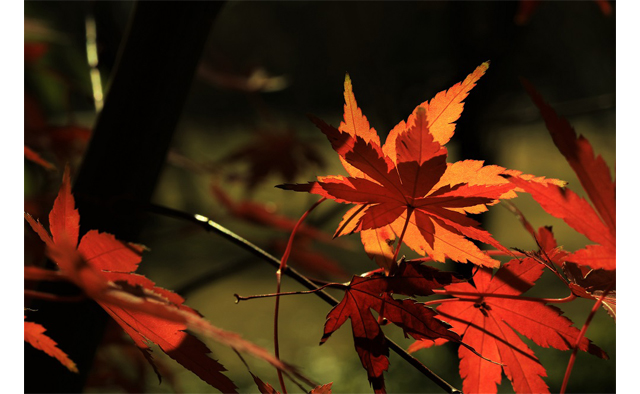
264,67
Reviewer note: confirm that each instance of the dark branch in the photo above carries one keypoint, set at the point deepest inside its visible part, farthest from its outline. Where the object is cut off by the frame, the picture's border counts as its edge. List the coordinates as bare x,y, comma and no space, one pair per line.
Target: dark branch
209,225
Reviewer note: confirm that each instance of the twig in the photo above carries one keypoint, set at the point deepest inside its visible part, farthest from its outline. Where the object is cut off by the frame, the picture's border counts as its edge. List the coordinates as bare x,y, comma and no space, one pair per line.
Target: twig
246,298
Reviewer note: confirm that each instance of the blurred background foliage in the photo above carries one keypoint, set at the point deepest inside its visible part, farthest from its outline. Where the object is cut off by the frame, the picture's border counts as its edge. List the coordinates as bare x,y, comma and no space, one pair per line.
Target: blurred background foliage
244,130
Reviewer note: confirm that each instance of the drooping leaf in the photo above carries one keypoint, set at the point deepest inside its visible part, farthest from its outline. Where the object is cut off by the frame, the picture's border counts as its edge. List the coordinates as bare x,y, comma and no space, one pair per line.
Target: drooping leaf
104,268
408,183
34,335
364,294
599,224
489,324
592,171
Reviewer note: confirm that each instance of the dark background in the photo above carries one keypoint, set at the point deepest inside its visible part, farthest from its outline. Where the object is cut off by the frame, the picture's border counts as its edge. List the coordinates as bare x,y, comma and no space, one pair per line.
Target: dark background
398,55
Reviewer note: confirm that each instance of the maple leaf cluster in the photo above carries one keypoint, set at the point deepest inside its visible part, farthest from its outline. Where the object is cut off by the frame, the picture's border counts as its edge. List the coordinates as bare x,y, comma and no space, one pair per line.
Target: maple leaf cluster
406,189
489,324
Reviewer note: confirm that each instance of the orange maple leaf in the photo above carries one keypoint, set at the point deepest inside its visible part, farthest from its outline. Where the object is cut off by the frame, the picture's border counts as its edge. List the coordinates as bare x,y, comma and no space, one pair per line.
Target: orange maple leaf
406,189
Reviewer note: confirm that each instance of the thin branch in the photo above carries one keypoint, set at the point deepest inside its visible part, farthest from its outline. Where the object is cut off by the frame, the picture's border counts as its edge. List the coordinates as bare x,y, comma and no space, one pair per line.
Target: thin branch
210,225
276,313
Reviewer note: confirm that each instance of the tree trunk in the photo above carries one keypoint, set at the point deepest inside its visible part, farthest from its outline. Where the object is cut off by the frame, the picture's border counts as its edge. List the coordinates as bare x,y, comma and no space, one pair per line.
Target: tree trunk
122,163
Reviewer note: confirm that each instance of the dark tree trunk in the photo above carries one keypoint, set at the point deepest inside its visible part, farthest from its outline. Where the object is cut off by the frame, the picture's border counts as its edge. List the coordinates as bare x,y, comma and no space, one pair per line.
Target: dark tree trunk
122,163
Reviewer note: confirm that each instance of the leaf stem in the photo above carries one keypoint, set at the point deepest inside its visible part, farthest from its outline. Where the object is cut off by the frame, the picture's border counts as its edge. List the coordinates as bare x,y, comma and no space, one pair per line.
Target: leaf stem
276,342
283,267
287,252
404,230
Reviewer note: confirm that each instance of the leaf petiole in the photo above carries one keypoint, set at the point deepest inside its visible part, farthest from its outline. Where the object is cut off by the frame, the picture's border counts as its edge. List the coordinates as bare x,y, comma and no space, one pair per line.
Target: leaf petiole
404,230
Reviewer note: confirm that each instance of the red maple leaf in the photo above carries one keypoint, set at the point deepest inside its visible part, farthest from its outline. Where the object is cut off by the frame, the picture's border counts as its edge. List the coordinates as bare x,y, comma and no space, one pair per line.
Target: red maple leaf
487,324
104,268
373,292
599,224
406,188
34,334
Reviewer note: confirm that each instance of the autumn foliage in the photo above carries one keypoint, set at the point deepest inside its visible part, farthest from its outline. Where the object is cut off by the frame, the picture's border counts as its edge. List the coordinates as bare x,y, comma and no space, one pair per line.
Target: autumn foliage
405,191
